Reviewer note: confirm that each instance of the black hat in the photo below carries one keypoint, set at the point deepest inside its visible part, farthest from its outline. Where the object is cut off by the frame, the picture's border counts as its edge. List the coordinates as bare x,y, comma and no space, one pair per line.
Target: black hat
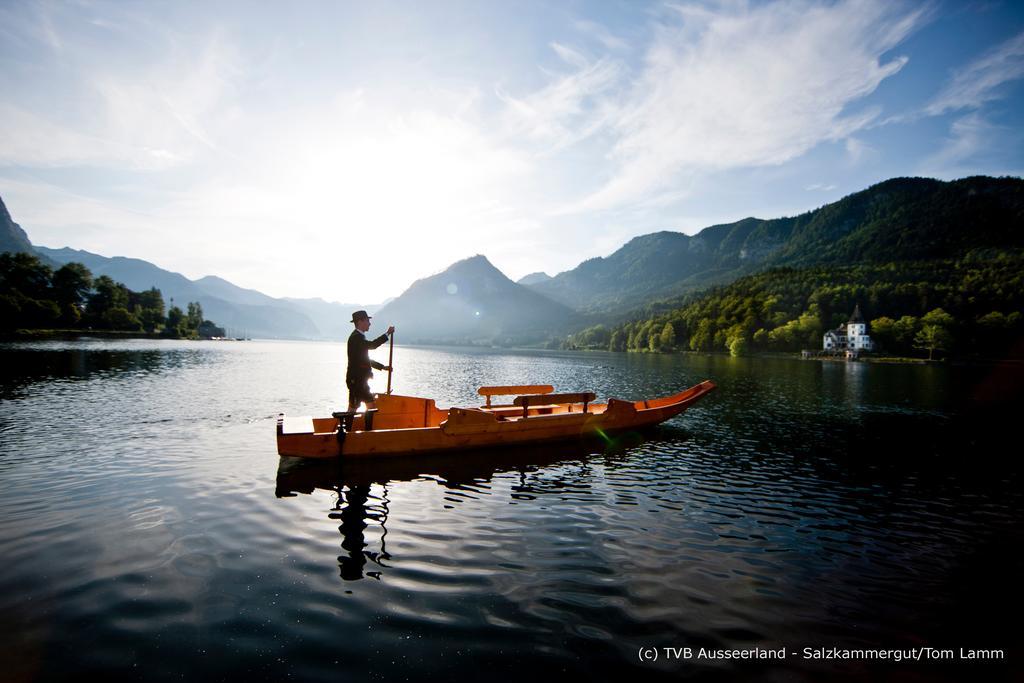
359,315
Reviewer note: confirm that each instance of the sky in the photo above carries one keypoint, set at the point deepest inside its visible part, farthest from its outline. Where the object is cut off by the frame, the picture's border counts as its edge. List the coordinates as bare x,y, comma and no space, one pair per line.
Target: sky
342,150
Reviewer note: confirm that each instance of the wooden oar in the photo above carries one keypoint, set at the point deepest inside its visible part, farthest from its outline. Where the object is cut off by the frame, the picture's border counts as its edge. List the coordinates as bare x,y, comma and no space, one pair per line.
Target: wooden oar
391,355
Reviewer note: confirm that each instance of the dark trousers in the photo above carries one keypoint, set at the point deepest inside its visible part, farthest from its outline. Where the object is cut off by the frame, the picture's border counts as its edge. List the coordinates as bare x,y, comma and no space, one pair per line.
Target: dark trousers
358,391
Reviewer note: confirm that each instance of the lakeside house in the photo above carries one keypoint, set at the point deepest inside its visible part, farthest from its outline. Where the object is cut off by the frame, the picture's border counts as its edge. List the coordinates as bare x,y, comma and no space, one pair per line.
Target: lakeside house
852,337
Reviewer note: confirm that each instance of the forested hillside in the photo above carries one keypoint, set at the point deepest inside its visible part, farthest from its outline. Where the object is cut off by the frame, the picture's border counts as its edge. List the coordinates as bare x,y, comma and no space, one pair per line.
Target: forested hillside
967,306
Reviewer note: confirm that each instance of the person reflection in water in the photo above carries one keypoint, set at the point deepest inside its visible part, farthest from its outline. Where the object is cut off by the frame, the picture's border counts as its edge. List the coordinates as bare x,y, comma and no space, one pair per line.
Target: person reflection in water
353,522
354,518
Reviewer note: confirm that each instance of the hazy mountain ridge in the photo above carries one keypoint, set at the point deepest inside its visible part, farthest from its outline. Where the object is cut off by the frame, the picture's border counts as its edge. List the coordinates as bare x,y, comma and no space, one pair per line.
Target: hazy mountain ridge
659,265
252,314
334,320
533,278
243,311
474,302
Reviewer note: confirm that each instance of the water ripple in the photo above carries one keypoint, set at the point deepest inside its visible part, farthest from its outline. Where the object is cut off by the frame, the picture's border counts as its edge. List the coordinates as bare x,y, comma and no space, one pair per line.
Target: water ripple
147,521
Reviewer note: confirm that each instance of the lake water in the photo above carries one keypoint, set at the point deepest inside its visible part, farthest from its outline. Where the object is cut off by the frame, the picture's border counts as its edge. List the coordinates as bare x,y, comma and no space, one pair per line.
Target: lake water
149,530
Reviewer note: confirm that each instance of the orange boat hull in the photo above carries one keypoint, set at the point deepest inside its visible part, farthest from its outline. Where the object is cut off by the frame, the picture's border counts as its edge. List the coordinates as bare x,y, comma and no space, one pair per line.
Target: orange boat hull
406,425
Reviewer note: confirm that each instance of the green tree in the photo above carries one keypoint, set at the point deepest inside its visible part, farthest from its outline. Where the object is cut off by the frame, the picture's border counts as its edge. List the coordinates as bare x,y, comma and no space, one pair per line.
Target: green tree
703,337
932,338
938,317
738,346
120,318
995,320
617,342
784,337
71,286
26,275
641,337
107,295
810,327
761,338
668,337
151,309
735,332
10,312
194,318
719,340
209,329
175,325
26,297
883,332
935,332
904,331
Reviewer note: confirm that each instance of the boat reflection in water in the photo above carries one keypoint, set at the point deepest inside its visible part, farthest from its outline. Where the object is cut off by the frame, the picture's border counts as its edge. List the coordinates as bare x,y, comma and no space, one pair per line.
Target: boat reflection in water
352,480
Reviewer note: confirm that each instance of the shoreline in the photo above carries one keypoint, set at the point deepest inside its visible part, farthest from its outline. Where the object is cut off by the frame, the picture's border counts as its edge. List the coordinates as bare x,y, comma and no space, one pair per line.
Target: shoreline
72,335
797,355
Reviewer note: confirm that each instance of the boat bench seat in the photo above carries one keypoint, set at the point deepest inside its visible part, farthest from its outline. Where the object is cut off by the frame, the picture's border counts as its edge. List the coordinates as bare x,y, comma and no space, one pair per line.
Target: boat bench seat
513,390
548,400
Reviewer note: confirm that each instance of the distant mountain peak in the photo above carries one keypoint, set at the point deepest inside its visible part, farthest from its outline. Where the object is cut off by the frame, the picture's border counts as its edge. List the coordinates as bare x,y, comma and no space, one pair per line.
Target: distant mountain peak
533,278
477,263
213,278
12,237
473,301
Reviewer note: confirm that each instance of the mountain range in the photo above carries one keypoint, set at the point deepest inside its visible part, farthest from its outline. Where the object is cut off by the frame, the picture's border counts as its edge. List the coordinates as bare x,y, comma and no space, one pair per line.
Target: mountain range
896,220
903,219
474,302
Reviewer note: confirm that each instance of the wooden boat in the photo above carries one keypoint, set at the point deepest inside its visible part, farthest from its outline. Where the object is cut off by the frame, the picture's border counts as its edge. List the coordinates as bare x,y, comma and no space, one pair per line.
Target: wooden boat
404,425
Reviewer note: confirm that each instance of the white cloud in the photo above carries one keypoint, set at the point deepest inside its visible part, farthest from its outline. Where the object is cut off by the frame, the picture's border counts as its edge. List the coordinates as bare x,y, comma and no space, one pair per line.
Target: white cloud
733,86
149,115
571,108
969,135
356,197
31,139
55,217
857,150
981,81
601,34
176,105
267,164
569,55
25,24
970,88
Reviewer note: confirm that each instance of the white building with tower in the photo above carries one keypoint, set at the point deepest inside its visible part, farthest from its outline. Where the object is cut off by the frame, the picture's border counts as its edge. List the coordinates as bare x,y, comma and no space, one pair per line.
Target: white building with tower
851,337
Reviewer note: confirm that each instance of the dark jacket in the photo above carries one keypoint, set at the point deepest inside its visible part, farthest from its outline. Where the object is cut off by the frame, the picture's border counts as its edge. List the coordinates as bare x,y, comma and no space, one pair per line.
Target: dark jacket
359,364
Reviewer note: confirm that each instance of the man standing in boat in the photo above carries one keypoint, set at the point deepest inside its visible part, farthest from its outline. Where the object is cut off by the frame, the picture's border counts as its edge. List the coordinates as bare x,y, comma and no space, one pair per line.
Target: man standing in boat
360,365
